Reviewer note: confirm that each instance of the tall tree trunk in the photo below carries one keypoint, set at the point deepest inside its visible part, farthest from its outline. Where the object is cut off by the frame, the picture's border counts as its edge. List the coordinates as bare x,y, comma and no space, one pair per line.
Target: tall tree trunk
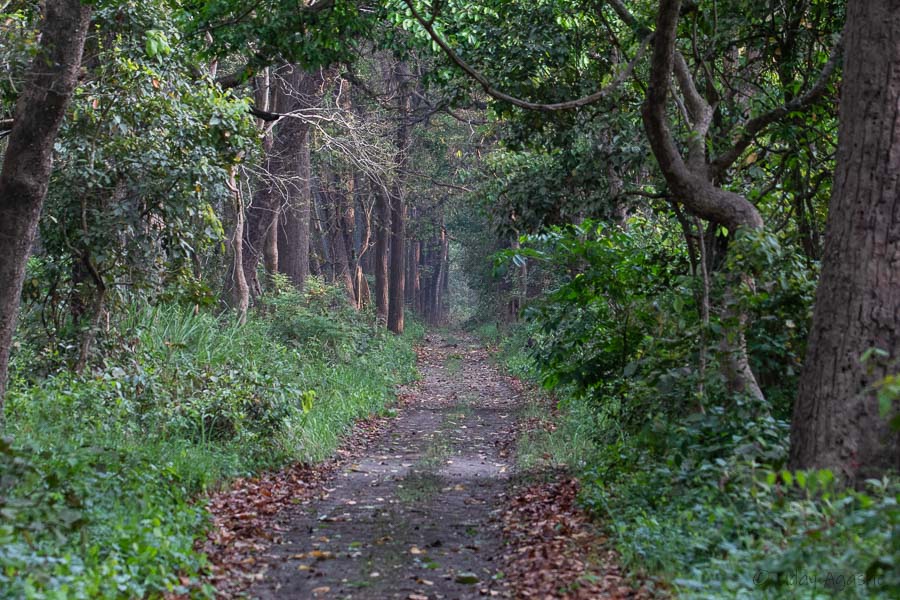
690,179
836,421
270,247
347,223
397,280
292,148
380,258
28,161
261,213
440,276
336,201
320,226
237,291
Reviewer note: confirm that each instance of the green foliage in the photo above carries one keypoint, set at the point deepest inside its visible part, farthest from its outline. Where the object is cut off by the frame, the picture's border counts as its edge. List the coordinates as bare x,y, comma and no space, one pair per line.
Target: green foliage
98,489
691,480
141,163
593,324
278,30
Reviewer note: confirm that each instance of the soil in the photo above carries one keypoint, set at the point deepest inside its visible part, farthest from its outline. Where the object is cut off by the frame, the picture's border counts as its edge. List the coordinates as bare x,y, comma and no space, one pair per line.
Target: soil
418,515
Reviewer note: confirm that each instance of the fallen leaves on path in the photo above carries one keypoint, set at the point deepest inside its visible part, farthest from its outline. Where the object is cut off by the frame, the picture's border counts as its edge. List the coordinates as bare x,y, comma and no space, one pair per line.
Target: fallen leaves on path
245,517
554,550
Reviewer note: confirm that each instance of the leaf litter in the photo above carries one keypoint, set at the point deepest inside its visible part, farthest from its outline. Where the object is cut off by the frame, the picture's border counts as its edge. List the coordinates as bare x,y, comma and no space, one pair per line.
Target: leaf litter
417,506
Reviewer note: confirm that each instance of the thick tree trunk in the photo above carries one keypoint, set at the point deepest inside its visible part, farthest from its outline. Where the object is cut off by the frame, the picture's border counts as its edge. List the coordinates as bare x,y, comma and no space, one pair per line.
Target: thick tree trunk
28,162
380,258
836,421
397,280
298,91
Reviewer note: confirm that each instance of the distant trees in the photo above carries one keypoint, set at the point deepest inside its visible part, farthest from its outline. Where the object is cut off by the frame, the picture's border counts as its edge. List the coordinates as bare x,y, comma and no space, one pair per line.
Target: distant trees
194,172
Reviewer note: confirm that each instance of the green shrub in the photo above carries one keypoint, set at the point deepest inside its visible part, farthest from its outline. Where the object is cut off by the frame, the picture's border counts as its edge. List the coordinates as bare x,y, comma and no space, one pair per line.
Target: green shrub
691,484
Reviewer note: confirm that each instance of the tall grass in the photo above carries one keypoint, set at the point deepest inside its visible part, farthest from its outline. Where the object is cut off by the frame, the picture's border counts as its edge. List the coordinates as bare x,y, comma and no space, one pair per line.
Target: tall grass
99,473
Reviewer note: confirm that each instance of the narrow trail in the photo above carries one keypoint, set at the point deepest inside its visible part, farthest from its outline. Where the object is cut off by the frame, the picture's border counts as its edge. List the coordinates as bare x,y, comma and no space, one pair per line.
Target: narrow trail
418,516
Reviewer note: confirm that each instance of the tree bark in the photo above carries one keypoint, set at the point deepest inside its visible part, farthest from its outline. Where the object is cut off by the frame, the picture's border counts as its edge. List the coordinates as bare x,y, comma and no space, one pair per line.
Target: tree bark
262,212
397,280
380,259
237,291
441,276
836,421
336,201
299,90
28,161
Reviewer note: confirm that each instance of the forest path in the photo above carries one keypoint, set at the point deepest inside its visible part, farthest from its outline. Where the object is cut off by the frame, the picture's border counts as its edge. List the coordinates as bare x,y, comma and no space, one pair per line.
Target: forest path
418,515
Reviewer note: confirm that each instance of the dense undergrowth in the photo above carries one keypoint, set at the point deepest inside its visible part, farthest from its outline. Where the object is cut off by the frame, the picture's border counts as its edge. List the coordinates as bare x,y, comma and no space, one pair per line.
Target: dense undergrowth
103,473
689,479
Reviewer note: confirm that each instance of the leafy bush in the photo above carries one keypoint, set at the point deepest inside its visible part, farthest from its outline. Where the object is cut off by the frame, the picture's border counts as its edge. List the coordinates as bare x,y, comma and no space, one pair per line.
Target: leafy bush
688,478
102,471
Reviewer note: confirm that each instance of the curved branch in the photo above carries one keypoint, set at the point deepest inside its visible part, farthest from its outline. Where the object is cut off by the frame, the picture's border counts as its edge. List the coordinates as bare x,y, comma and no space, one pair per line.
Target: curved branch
492,91
693,189
754,126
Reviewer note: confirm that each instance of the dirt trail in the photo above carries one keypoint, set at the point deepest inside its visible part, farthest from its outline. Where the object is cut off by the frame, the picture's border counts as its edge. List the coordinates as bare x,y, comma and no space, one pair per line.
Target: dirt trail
417,516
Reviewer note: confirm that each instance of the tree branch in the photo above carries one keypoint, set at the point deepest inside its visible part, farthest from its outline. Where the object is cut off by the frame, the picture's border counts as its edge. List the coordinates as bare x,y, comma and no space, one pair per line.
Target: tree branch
693,189
754,126
492,91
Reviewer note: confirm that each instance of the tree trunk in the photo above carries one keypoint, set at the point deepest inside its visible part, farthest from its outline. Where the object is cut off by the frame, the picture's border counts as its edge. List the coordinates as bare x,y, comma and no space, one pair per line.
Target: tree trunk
836,421
292,149
690,180
28,161
414,278
237,291
261,213
440,276
335,205
397,279
270,247
380,258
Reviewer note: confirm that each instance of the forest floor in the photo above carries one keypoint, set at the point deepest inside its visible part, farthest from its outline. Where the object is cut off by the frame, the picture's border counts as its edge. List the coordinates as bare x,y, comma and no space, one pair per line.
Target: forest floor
427,504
